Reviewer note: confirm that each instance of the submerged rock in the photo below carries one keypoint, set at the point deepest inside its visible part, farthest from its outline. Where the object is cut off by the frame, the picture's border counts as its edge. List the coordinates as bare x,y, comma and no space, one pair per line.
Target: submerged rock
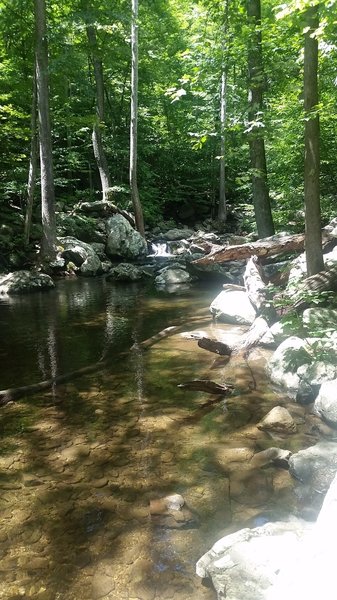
24,282
126,272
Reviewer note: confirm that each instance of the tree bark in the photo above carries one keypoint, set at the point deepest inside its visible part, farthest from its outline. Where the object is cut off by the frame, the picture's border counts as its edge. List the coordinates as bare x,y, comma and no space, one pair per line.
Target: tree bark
222,209
313,239
260,191
97,138
134,121
48,247
32,163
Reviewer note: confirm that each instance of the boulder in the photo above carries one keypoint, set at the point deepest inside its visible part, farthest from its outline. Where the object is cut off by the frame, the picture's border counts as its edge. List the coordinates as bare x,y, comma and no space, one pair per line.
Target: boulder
81,254
244,565
24,282
123,240
125,272
292,559
172,276
326,402
315,466
287,358
232,305
178,234
278,419
320,319
311,574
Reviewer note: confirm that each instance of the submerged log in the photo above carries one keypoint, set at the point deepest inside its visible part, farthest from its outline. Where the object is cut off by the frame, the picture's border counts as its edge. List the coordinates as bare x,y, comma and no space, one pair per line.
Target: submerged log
215,346
206,385
11,394
276,244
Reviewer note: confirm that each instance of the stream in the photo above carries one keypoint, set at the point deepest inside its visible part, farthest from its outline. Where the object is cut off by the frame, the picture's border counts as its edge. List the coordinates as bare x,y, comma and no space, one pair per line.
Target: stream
84,465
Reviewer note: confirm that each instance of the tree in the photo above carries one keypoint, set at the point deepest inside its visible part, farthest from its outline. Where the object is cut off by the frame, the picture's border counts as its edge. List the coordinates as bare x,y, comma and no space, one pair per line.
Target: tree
222,208
48,246
134,121
32,163
313,234
263,214
97,138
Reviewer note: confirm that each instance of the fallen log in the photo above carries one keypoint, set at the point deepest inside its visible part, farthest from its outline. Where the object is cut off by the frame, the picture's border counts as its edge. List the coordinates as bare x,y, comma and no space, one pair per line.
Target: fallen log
206,385
313,286
276,244
257,290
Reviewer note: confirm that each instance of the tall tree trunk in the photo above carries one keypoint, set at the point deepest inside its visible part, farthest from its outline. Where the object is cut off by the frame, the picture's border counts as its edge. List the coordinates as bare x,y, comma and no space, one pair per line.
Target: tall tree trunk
32,163
222,207
261,200
97,137
48,248
137,207
313,234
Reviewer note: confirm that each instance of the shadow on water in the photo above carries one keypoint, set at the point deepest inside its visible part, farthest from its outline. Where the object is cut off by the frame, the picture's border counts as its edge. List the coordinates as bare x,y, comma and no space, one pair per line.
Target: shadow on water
79,465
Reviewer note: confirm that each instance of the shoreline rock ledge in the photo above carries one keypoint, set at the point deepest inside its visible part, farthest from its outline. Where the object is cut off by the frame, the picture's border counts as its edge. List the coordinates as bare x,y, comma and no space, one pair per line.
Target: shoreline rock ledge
285,559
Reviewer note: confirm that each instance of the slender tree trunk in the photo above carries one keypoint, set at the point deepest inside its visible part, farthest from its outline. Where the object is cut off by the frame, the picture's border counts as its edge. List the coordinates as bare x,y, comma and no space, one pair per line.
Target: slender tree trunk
222,209
261,200
313,234
137,207
97,137
48,248
32,163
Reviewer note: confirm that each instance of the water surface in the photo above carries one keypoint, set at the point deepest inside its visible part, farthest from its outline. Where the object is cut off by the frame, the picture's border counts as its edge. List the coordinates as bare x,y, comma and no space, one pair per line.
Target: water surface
84,465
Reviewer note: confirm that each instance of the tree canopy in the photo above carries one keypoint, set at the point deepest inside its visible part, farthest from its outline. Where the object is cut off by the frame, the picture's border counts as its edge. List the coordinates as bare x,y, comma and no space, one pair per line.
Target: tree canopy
185,47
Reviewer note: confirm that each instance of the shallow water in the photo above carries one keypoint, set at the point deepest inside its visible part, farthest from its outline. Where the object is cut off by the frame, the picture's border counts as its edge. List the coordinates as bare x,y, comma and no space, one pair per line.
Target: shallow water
83,464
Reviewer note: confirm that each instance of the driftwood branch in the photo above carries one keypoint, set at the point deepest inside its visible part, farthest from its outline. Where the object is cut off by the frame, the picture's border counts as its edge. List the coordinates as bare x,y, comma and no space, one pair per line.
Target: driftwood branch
206,385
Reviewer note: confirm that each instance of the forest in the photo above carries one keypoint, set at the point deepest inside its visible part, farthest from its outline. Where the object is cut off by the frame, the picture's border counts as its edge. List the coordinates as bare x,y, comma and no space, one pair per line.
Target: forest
179,111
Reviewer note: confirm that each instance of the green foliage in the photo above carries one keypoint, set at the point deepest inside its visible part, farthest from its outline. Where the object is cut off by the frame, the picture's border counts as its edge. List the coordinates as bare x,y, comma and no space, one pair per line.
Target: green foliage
183,48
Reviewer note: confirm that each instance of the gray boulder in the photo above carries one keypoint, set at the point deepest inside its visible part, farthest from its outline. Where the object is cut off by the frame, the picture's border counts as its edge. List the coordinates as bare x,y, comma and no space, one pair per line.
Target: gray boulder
245,564
326,402
81,254
311,573
315,467
123,240
178,234
125,272
284,363
24,282
172,275
232,305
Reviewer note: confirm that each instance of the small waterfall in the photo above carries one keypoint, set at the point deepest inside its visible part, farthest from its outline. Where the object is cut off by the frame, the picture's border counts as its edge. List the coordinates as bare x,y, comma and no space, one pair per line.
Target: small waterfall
160,249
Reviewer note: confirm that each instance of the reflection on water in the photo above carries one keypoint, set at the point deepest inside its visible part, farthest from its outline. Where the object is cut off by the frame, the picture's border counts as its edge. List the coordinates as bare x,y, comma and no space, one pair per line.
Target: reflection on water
80,464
